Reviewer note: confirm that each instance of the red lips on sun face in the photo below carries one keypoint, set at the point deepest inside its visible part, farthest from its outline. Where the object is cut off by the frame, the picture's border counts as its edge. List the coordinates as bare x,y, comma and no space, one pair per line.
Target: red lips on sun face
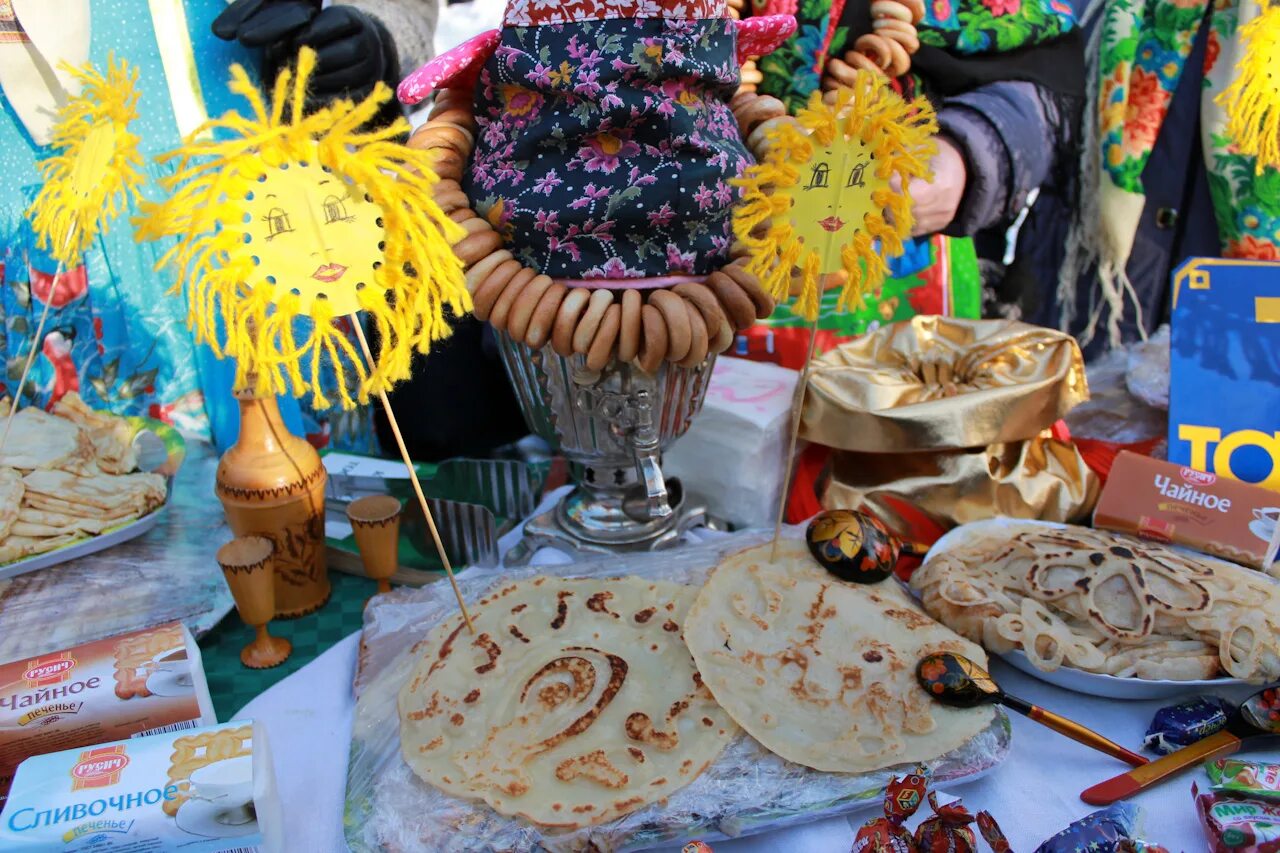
832,224
329,273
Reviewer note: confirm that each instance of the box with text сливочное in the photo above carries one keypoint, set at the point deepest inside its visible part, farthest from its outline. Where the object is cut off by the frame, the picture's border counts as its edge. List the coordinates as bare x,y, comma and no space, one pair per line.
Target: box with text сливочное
205,790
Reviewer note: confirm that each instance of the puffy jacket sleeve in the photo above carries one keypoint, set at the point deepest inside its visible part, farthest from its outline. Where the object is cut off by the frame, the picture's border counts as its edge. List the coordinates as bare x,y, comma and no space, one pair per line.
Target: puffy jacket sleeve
1008,133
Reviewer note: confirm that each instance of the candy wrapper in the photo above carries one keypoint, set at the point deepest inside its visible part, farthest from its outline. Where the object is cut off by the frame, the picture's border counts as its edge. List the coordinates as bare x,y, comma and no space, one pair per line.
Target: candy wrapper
1103,831
992,832
1181,725
948,831
1234,825
1244,778
902,797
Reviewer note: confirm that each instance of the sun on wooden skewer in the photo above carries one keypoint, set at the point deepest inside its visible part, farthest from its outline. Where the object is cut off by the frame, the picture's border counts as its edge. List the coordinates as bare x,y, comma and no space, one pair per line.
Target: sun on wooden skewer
283,215
97,169
287,222
821,200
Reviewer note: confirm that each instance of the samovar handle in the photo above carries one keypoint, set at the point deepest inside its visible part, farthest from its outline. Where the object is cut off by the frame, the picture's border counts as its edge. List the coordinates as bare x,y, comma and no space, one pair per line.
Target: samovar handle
647,451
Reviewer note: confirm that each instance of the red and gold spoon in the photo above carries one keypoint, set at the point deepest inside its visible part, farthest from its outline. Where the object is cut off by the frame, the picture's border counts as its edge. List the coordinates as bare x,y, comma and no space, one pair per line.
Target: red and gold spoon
956,681
1257,716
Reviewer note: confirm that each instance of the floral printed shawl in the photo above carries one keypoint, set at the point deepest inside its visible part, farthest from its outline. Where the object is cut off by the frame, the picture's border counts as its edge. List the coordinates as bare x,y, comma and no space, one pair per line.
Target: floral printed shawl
965,28
1143,47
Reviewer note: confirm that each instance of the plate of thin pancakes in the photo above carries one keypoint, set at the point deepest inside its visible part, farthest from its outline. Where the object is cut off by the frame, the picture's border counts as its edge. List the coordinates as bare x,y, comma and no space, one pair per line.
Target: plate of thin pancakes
1102,613
74,481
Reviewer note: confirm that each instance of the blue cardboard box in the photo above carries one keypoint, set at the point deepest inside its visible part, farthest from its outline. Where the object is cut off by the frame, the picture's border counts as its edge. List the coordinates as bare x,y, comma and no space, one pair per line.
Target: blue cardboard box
1224,369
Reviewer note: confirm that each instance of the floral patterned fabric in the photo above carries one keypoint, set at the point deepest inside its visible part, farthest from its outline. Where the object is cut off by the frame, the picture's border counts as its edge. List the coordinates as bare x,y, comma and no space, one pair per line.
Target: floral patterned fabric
964,27
535,13
605,148
973,27
1145,45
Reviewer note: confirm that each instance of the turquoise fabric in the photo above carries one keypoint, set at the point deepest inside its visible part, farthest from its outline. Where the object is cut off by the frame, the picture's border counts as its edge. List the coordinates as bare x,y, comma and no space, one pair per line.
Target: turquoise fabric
121,340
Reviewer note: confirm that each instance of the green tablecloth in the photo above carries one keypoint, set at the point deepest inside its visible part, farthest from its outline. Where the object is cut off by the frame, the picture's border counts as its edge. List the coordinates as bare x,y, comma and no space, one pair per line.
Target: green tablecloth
232,684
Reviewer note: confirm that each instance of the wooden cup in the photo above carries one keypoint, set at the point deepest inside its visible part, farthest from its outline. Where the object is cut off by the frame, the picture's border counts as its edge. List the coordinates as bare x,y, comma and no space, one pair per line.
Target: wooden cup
248,563
375,519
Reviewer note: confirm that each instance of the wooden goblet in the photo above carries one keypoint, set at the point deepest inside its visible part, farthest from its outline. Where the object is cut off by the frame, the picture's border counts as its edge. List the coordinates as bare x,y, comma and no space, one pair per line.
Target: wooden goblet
376,522
249,566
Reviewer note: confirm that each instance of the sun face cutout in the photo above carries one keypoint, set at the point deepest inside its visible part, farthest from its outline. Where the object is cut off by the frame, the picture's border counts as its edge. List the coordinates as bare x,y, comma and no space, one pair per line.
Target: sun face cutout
312,235
832,201
97,167
289,223
820,201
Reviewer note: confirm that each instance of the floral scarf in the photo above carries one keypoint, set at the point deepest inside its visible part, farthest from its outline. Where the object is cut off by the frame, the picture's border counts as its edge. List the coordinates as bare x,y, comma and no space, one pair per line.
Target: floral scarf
964,28
1143,47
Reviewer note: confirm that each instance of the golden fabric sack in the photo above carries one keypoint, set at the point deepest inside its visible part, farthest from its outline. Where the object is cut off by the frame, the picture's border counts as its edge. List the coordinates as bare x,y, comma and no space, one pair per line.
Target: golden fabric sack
951,416
937,383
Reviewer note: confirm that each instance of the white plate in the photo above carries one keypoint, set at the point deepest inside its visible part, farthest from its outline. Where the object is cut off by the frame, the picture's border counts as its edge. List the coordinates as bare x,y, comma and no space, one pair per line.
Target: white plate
89,545
213,820
1113,687
167,682
1091,683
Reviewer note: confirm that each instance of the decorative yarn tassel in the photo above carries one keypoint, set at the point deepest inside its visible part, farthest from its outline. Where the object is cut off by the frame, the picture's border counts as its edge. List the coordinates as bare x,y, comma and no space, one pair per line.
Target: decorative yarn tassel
1252,101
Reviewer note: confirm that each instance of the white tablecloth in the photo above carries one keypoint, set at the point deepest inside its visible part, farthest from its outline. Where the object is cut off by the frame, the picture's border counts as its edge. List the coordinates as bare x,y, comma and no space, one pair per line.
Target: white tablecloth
1033,794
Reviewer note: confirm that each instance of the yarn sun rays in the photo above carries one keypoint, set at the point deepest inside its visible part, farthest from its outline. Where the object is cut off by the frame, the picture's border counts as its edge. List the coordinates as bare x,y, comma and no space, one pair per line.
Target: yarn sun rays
822,201
284,215
1252,101
97,169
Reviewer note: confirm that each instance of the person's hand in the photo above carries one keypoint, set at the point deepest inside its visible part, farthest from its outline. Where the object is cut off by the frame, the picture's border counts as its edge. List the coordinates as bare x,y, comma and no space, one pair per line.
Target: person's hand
353,51
934,203
264,23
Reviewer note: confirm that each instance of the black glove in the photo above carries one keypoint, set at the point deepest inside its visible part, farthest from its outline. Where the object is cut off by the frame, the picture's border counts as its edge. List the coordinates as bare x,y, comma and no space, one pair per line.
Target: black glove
353,50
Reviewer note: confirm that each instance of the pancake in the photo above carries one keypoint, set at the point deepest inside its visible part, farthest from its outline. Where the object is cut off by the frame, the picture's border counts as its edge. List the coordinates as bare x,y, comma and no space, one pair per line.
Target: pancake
575,703
820,671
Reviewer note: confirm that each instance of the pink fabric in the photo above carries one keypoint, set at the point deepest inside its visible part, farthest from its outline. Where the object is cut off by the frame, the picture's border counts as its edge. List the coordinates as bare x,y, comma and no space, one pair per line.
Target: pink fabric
653,283
761,36
535,13
456,69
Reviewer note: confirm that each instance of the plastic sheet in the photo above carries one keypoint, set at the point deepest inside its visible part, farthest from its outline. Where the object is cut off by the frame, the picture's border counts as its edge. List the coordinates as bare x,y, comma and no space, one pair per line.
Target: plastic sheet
746,791
167,575
1129,394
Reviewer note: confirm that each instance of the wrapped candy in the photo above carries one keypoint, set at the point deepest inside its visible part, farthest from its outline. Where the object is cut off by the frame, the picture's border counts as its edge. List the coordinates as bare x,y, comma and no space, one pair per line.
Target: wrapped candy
902,797
1106,831
1236,825
993,834
1183,724
1244,778
948,831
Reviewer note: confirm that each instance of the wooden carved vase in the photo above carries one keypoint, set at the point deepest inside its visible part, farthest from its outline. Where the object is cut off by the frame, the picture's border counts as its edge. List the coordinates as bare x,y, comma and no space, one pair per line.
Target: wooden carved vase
271,483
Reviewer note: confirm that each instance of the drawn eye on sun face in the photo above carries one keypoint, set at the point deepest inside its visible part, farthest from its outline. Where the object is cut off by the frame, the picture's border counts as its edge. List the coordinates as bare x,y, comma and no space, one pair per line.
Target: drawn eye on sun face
277,222
315,236
335,210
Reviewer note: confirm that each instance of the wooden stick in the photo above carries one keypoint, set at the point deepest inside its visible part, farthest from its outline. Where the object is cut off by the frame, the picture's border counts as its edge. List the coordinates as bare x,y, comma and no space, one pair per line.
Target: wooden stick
797,401
35,341
413,475
797,409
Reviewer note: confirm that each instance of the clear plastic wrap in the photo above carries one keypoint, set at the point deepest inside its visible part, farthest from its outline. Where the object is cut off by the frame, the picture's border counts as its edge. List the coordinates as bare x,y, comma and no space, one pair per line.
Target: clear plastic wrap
745,791
1128,394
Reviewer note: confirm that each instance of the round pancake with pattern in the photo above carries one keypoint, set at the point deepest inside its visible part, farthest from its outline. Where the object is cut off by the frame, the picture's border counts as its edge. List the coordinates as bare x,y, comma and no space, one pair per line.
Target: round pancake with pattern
575,702
820,671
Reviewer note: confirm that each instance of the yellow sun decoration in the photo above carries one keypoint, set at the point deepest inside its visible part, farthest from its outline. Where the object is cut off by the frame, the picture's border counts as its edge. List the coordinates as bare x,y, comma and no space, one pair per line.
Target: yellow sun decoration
288,221
1252,101
821,200
97,168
